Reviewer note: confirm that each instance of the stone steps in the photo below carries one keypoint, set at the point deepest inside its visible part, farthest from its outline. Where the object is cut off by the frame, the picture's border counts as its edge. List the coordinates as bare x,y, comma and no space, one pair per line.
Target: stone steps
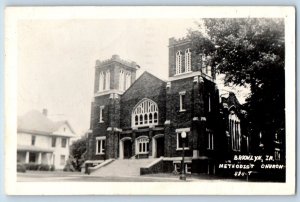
123,167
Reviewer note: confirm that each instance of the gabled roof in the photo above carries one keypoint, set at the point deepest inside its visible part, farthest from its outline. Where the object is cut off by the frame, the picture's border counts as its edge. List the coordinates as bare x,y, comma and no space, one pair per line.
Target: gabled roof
146,84
231,101
143,75
34,121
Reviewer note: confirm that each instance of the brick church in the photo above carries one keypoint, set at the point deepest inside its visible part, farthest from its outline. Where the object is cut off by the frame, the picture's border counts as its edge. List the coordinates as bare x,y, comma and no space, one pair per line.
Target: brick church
137,118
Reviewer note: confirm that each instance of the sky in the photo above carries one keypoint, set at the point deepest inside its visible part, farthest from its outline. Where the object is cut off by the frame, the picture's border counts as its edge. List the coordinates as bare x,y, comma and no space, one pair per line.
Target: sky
56,60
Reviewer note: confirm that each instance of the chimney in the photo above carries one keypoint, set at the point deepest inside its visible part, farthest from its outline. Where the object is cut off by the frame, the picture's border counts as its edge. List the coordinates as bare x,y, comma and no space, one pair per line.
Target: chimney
45,112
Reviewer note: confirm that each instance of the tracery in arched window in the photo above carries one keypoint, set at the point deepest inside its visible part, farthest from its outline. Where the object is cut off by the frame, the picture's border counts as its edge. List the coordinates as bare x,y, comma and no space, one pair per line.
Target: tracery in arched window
145,113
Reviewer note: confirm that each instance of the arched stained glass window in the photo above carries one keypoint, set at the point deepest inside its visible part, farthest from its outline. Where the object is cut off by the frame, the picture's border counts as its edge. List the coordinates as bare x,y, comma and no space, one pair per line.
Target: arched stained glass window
178,62
235,131
101,82
187,60
145,113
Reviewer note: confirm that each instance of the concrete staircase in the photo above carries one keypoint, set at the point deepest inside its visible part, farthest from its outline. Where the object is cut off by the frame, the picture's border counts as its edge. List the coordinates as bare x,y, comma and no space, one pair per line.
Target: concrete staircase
123,167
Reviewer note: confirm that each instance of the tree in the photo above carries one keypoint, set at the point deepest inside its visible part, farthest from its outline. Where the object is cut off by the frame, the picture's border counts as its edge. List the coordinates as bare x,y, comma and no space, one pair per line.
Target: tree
77,151
250,52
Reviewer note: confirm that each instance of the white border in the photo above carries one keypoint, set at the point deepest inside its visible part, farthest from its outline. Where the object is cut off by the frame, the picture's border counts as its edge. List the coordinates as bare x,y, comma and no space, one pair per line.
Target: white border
14,14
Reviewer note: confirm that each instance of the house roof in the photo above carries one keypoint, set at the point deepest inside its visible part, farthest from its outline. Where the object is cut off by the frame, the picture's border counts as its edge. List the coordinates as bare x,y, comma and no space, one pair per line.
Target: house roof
34,121
33,148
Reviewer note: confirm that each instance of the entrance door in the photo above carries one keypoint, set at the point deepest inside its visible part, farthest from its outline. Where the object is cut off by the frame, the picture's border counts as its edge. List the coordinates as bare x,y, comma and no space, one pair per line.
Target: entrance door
127,149
160,146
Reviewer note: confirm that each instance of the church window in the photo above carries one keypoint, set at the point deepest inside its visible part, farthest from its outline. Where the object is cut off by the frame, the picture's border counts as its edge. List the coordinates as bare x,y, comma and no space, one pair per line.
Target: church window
235,131
209,103
128,81
187,60
101,82
101,114
141,119
277,155
181,140
150,118
210,139
187,166
178,62
100,145
107,80
145,113
182,104
121,80
142,145
155,117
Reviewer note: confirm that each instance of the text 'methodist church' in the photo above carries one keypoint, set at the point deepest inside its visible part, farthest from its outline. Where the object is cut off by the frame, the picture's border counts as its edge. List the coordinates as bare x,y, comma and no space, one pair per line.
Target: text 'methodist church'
144,118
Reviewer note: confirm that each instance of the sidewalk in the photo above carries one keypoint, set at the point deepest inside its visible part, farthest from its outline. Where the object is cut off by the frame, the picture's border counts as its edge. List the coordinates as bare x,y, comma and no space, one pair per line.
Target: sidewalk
45,176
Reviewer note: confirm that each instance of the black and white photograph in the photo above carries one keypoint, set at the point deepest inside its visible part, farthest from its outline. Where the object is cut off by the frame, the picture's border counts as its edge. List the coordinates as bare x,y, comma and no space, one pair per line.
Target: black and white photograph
151,97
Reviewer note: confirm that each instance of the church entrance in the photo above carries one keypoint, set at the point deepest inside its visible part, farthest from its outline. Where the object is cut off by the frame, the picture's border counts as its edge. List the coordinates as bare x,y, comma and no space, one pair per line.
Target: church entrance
158,146
127,149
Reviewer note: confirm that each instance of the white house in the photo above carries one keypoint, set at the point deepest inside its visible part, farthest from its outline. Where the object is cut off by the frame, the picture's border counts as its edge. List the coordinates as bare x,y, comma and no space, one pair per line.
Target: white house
43,141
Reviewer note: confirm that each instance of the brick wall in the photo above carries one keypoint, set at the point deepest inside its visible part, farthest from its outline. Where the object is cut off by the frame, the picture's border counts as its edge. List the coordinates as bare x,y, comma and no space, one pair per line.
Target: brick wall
147,86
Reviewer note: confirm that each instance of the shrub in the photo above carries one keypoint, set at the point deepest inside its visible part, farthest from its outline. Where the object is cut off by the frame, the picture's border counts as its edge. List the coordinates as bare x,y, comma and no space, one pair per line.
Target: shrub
31,166
21,168
41,167
52,168
44,167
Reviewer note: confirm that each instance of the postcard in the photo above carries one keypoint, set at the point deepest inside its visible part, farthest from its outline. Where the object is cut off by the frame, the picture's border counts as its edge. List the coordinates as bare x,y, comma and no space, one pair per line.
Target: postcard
150,100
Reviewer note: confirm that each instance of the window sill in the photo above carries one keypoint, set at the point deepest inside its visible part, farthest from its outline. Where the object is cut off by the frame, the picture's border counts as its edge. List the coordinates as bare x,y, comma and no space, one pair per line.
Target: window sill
101,122
100,154
145,125
142,153
235,150
180,149
182,110
183,73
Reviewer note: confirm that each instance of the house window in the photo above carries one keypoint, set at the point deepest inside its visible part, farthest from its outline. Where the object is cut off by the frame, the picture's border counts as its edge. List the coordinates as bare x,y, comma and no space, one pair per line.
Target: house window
142,145
121,80
182,104
33,137
101,82
63,142
178,62
62,160
100,145
235,131
127,81
101,114
53,141
32,157
181,140
145,113
210,139
187,60
107,80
